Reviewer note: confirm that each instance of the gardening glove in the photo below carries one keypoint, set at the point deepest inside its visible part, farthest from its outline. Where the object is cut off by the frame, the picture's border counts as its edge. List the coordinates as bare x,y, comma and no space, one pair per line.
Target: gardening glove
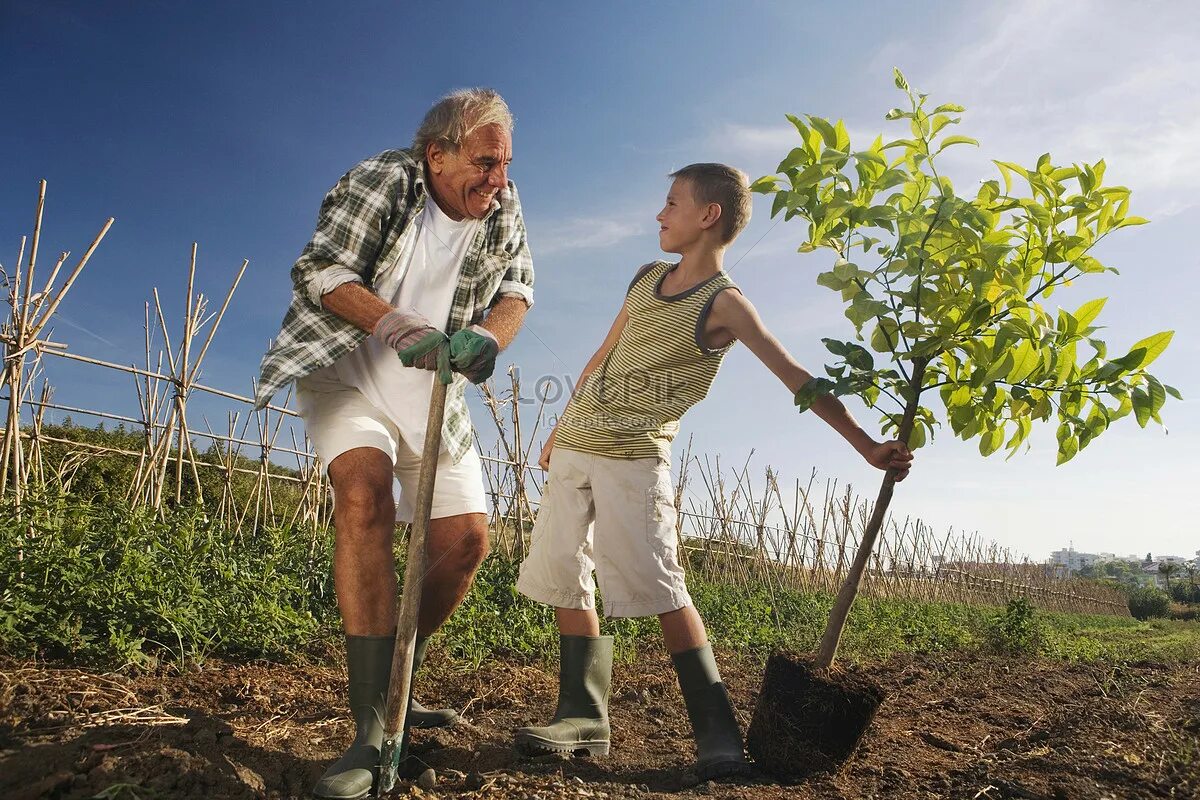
416,341
473,352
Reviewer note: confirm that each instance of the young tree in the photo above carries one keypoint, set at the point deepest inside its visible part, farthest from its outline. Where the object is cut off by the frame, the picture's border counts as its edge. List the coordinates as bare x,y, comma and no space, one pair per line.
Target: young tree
946,295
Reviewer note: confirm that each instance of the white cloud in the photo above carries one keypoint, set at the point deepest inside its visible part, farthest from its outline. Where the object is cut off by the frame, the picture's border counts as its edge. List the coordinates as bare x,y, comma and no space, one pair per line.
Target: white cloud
1082,81
585,233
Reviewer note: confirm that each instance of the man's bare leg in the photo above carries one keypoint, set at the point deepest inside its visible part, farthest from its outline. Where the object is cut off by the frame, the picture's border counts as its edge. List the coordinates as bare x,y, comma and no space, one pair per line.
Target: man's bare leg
454,549
364,518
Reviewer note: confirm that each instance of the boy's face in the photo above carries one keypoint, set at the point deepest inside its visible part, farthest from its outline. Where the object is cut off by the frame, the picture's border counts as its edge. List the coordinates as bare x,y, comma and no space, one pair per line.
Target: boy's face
681,219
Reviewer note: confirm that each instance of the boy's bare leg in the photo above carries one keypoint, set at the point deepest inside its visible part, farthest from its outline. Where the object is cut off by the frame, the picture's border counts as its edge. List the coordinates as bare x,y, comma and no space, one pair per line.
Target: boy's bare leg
577,621
683,630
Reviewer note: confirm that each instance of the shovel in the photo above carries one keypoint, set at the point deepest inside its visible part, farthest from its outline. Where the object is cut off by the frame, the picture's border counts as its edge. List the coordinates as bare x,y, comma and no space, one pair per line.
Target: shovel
400,685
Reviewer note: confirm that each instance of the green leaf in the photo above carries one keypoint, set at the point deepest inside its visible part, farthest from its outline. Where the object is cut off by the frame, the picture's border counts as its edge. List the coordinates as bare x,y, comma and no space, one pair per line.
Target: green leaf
1066,362
885,338
765,184
1000,368
949,107
991,441
1141,406
828,132
1067,449
953,140
1153,347
1089,311
1128,221
1171,390
1026,359
916,438
901,83
811,391
1157,393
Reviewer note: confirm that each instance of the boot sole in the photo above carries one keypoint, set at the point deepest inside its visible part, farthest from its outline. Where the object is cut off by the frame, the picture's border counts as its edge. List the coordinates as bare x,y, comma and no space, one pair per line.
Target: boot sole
722,769
534,745
450,723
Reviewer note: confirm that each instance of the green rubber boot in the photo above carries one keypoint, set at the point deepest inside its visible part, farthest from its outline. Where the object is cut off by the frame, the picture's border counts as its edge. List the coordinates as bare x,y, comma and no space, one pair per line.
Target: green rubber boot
369,662
719,751
581,721
418,715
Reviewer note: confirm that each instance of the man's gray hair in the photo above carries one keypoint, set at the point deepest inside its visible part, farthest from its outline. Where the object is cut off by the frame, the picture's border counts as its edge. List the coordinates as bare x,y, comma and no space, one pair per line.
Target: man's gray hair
453,118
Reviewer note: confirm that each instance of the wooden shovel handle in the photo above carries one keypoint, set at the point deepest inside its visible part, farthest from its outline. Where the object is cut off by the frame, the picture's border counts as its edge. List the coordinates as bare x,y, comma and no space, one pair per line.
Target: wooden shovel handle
410,596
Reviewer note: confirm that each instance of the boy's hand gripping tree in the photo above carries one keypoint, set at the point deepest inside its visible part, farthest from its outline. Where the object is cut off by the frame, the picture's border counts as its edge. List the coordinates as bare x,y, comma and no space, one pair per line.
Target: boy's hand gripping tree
947,293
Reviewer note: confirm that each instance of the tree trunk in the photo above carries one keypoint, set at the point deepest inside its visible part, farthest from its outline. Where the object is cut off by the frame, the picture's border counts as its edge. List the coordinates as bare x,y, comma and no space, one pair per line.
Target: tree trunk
827,650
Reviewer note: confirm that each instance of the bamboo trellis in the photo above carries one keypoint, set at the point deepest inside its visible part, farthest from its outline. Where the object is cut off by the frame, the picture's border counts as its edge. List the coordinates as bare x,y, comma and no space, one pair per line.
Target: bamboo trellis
731,528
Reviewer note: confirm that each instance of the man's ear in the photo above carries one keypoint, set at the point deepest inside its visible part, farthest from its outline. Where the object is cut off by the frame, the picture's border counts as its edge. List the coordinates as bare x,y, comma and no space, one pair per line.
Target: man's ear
712,214
435,156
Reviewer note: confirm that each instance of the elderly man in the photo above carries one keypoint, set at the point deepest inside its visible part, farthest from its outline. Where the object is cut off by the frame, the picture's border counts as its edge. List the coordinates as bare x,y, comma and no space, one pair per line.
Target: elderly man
419,258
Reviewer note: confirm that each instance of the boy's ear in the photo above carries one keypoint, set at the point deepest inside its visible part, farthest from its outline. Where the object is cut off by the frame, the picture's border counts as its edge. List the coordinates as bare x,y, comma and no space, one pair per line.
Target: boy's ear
712,214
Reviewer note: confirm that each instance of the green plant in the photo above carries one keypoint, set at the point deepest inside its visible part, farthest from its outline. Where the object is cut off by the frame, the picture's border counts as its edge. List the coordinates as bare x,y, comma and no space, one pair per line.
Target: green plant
1148,602
952,298
1017,630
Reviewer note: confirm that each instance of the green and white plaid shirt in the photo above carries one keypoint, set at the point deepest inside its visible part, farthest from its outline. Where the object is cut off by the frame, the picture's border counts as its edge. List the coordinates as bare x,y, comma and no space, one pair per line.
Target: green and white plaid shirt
361,231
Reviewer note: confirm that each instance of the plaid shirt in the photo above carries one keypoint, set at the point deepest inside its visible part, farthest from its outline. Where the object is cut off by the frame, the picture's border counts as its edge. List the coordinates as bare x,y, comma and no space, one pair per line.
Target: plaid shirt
362,227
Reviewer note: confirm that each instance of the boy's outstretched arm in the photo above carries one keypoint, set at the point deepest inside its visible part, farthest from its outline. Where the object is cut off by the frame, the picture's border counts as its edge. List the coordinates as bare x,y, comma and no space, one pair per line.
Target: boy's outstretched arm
610,341
733,316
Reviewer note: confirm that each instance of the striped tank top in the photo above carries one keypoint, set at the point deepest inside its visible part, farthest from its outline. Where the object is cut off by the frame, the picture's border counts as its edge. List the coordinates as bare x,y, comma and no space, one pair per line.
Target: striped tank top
630,406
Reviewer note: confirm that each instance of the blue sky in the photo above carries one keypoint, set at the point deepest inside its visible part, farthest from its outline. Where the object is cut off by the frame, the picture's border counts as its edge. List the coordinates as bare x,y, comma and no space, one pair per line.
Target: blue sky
224,124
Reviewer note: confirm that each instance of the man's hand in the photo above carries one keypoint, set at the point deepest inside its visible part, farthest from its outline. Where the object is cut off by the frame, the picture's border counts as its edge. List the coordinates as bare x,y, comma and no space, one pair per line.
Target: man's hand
890,455
416,341
473,352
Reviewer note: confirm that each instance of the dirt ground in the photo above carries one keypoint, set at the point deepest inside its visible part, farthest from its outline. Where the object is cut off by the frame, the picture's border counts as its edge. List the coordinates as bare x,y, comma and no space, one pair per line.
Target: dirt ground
961,726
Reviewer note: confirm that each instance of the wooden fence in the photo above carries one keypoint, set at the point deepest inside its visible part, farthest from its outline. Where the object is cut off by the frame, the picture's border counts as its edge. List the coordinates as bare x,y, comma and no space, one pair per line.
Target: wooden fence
731,525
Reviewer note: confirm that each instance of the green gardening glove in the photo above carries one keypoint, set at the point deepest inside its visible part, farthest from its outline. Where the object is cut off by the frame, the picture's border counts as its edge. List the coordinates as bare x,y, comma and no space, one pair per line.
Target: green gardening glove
473,352
431,351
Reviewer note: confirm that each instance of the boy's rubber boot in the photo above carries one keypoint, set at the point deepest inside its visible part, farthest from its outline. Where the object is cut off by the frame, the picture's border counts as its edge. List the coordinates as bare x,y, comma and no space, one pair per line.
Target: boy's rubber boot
719,750
369,663
418,715
581,721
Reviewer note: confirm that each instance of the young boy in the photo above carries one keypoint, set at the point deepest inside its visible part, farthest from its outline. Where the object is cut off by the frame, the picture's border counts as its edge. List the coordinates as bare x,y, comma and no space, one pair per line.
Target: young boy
609,462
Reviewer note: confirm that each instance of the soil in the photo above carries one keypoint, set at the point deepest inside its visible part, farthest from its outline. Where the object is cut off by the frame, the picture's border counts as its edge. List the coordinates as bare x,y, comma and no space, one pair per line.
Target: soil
958,726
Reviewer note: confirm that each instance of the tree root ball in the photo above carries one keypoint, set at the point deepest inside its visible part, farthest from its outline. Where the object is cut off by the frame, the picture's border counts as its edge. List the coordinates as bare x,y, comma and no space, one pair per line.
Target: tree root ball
809,721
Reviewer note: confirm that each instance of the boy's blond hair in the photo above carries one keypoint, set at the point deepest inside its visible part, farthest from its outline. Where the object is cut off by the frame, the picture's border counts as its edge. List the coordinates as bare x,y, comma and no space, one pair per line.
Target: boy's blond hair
724,185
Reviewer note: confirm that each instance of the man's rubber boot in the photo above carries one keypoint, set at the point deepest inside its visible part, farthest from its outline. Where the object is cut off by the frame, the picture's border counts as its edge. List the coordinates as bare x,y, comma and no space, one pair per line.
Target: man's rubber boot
581,721
369,663
418,715
719,751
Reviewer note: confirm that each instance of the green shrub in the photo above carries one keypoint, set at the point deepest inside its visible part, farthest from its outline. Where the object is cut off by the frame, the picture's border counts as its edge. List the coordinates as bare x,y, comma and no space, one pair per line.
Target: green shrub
110,585
1148,602
102,584
1017,630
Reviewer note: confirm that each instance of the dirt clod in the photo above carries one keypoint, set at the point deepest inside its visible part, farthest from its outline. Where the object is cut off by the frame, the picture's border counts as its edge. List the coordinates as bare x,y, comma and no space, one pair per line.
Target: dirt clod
809,721
1026,727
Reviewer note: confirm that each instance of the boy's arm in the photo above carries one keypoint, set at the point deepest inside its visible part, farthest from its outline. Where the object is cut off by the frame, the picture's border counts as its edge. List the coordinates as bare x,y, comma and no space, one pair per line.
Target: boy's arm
610,341
736,317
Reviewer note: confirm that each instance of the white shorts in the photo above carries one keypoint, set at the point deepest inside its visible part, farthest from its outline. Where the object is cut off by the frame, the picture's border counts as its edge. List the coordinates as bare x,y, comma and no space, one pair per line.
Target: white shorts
338,418
612,515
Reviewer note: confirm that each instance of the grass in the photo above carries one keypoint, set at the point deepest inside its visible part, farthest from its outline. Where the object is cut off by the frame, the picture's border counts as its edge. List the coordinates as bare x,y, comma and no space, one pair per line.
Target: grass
103,585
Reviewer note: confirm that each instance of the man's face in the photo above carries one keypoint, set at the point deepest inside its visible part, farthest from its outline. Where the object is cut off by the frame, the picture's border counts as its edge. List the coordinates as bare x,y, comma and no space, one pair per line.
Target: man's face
680,219
465,181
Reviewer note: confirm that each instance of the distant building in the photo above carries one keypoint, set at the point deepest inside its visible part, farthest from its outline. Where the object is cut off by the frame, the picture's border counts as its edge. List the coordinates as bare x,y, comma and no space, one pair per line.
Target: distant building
1072,560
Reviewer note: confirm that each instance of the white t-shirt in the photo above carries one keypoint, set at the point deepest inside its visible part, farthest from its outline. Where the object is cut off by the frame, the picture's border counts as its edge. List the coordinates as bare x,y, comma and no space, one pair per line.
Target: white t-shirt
425,279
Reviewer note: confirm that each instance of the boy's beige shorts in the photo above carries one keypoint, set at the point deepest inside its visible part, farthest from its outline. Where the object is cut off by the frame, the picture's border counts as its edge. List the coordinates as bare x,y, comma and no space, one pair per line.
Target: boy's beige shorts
612,515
